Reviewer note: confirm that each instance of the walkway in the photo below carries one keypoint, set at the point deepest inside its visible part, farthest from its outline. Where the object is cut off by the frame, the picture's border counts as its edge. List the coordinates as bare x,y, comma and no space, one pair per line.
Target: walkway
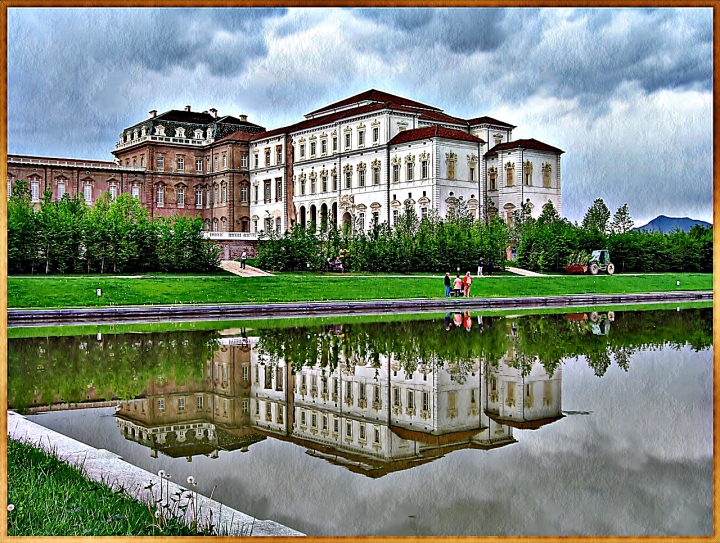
235,267
526,273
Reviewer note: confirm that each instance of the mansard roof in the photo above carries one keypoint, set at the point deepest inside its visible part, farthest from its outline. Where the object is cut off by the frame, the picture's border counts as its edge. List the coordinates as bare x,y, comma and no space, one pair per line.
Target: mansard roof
372,96
433,132
525,144
489,120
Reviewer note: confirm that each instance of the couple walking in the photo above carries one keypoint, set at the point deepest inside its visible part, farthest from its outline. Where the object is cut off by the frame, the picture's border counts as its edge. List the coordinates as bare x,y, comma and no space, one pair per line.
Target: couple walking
461,286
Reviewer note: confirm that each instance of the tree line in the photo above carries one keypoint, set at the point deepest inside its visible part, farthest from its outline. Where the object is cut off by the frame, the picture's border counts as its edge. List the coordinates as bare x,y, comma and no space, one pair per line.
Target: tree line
433,244
69,236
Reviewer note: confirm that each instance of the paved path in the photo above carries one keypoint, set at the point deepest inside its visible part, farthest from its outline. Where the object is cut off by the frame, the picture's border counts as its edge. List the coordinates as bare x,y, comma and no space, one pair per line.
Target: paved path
526,273
235,267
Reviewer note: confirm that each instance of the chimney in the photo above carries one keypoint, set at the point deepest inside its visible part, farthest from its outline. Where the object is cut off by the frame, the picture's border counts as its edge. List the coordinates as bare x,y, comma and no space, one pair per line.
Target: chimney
187,108
153,112
213,112
242,117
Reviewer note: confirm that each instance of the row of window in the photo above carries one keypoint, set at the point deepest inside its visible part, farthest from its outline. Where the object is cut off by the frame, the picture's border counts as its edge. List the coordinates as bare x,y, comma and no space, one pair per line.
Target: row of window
219,162
527,177
62,190
323,148
278,157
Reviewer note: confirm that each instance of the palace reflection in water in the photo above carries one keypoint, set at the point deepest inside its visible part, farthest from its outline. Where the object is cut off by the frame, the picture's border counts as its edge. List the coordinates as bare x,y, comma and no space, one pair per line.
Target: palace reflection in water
370,416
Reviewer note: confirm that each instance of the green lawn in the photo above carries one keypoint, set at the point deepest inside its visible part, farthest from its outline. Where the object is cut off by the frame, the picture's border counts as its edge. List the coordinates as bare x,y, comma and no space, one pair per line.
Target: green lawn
78,291
48,497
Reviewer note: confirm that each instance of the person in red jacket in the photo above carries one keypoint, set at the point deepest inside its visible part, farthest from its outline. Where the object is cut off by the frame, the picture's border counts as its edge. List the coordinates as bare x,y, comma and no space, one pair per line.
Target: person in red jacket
467,283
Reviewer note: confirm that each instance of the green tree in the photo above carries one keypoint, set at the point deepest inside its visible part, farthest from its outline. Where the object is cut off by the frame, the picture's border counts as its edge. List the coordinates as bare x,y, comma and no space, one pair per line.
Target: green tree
621,222
597,216
22,238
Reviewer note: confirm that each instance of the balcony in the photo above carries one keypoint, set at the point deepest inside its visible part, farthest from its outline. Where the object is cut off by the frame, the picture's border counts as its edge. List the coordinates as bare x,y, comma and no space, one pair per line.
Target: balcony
82,164
229,236
163,139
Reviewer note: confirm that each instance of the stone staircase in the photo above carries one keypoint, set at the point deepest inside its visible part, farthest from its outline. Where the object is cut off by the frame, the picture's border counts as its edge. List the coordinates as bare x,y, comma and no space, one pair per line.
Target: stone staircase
235,267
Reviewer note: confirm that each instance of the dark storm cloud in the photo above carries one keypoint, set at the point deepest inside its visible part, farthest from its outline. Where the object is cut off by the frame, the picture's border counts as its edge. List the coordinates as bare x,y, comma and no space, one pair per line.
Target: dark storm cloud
463,31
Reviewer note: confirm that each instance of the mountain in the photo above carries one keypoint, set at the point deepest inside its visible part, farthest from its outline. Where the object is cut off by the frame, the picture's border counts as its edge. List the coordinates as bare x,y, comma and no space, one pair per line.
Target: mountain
665,224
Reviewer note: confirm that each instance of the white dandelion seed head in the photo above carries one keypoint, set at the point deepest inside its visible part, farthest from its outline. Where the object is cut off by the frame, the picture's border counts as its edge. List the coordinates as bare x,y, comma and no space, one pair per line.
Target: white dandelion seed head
11,507
191,479
161,473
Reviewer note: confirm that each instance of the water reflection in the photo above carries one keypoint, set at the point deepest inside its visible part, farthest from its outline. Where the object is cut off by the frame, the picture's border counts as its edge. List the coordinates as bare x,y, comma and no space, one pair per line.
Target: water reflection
375,398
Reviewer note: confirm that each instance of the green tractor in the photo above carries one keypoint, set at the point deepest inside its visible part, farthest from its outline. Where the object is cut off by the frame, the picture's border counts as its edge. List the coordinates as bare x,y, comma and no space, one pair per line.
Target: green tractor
594,263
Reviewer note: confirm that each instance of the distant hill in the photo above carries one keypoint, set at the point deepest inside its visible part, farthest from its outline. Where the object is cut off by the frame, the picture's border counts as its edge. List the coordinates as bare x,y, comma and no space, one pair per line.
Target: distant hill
667,224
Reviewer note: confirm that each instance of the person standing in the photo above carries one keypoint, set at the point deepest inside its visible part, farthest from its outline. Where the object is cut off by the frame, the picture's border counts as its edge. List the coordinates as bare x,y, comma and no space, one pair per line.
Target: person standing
480,266
447,284
458,285
490,267
243,258
467,283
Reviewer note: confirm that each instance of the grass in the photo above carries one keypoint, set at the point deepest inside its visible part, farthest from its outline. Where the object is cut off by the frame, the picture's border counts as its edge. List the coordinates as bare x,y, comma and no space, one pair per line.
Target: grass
80,291
50,497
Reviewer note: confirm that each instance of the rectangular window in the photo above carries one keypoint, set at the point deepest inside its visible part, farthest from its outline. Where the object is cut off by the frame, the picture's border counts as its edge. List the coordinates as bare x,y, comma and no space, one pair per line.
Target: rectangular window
278,155
313,420
348,180
181,164
451,170
376,176
279,414
303,418
244,195
313,185
9,191
223,194
347,140
313,147
225,406
181,404
160,196
348,429
325,423
334,143
472,173
181,197
323,146
142,161
161,405
377,435
410,399
60,192
198,198
361,221
335,182
278,190
410,170
376,393
224,161
87,193
113,192
246,406
396,173
361,178
361,433
302,150
268,412
396,397
423,213
396,213
257,161
215,163
268,224
267,157
160,163
244,161
216,200
493,182
245,373
198,165
257,192
267,191
426,401
361,138
424,169
376,134
323,181
336,426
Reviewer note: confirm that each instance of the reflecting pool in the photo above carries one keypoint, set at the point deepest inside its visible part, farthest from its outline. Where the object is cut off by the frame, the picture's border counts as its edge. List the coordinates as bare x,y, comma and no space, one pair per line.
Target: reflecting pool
467,424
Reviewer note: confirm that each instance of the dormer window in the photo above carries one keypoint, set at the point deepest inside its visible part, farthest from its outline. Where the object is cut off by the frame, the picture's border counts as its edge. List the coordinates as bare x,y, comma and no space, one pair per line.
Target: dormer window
159,130
180,132
198,134
143,131
135,134
209,133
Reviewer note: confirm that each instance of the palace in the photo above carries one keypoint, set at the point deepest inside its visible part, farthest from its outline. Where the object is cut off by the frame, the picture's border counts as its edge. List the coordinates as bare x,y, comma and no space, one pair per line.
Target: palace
361,160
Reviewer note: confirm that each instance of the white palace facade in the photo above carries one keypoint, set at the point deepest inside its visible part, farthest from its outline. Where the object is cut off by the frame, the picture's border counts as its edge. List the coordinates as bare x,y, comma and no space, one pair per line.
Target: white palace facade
360,160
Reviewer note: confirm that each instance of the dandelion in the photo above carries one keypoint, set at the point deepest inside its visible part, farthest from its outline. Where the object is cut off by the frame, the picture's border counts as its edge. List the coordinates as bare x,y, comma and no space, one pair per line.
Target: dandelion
191,480
161,473
11,507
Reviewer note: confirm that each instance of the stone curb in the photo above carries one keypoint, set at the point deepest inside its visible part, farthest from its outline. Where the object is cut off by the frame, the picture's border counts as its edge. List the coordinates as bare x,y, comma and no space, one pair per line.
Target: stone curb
111,315
110,469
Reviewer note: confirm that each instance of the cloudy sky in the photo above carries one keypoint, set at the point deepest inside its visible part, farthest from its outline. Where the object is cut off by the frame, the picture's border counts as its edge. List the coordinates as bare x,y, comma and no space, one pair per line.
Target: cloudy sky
626,93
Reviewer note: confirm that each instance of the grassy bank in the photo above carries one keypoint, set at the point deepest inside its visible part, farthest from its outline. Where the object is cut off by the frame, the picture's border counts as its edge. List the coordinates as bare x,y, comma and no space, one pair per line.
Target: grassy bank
49,497
59,291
